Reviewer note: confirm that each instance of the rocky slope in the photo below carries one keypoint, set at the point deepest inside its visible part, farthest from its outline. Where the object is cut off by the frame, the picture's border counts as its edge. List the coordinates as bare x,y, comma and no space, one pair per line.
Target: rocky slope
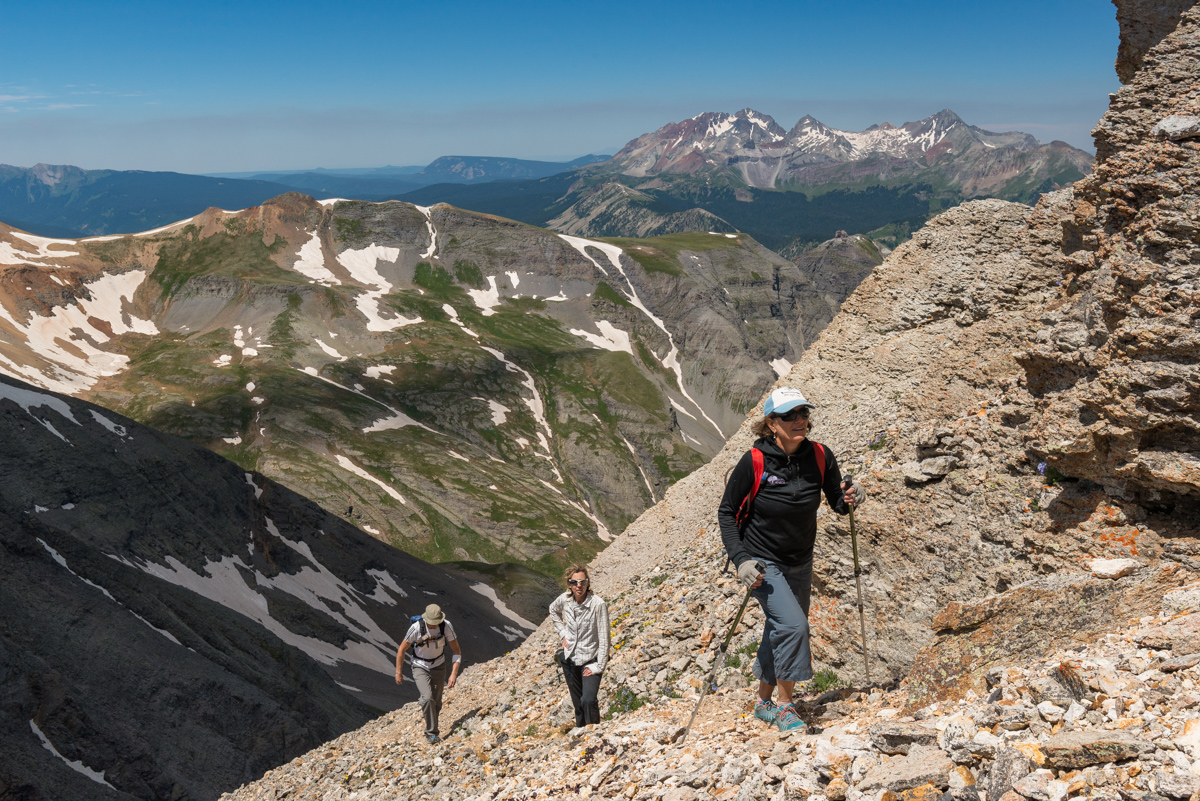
174,625
984,570
465,387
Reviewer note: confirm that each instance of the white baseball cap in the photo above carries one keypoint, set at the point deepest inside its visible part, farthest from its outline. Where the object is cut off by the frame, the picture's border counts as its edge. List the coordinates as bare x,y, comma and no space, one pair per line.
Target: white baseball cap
785,399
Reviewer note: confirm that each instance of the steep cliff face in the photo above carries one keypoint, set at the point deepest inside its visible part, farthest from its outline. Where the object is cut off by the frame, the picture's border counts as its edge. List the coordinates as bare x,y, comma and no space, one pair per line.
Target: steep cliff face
1114,370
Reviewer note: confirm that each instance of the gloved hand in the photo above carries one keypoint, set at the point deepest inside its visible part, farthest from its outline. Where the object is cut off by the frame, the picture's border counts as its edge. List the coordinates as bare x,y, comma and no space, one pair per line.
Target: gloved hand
749,572
854,494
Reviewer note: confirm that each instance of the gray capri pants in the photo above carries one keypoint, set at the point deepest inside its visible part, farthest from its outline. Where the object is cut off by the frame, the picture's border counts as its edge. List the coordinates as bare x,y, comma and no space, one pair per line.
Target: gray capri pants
784,653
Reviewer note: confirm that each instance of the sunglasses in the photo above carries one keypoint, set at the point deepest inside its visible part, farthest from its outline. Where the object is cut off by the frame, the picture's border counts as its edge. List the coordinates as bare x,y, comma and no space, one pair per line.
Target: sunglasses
791,415
577,582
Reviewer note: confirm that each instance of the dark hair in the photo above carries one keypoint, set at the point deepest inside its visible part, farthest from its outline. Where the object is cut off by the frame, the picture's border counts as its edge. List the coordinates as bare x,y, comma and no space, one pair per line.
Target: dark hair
762,428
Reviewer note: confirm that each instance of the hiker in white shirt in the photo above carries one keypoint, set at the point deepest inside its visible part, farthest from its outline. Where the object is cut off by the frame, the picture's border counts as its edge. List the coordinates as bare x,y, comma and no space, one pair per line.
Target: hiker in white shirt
428,638
581,619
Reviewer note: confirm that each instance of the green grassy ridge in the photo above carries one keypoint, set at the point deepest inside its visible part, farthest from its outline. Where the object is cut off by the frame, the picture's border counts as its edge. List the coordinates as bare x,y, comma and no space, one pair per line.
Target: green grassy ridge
225,406
302,414
232,254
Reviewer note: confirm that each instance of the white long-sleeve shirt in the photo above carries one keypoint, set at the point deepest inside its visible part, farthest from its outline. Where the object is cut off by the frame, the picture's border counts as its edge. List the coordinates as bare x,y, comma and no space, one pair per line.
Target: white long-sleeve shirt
585,628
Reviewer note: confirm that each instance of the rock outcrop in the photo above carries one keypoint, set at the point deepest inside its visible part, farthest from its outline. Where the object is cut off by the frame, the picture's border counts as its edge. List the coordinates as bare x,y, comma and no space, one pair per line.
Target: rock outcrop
1114,370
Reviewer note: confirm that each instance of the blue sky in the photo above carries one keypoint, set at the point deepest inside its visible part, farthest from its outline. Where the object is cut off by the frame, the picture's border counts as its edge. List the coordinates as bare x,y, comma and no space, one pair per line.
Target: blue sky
247,86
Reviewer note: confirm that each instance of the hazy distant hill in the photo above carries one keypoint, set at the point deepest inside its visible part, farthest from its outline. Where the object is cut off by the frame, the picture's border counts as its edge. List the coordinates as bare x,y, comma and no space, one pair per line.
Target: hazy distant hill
61,200
66,201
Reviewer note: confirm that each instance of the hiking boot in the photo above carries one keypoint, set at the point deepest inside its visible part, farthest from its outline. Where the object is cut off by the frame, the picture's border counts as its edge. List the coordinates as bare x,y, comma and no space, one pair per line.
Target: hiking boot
432,738
788,720
766,711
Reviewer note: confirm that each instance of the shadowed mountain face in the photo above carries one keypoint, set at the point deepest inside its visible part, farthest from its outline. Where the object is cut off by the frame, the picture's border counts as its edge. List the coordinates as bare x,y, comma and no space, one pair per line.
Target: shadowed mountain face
175,625
465,387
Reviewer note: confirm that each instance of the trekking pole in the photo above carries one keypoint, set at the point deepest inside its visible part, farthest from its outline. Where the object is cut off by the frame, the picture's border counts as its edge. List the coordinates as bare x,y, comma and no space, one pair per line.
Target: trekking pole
719,658
862,626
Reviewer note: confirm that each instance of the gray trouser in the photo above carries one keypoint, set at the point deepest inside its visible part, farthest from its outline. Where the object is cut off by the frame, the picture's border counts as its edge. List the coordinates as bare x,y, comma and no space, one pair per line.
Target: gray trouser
784,653
430,682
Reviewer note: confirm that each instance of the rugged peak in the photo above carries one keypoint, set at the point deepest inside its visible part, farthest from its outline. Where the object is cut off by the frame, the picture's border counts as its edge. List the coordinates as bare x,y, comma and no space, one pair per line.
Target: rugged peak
294,202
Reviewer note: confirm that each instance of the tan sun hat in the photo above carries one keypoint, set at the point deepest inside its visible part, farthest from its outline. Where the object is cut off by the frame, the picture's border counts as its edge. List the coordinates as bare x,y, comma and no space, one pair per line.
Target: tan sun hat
433,615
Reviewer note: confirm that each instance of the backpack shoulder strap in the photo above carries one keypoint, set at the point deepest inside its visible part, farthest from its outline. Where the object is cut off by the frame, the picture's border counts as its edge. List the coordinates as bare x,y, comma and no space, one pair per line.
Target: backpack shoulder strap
756,459
819,454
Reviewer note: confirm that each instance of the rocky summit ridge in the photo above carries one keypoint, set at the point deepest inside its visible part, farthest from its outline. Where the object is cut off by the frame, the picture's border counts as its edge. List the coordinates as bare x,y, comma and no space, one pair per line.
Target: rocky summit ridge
753,150
1036,623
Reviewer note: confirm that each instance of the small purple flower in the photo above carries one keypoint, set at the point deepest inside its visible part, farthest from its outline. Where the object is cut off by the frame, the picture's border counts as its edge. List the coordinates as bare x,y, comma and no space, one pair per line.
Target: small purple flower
1041,468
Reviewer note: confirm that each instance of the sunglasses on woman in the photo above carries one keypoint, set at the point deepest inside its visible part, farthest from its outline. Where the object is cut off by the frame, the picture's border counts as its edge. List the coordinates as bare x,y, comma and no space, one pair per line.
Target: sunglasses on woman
790,416
577,582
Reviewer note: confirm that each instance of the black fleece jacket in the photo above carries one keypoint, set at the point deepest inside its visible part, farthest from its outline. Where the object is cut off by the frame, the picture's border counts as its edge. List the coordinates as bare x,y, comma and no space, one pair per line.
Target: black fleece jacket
783,517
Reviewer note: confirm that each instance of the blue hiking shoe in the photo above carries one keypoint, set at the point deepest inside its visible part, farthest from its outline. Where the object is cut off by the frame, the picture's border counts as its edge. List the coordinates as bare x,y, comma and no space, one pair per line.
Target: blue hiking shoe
766,711
788,720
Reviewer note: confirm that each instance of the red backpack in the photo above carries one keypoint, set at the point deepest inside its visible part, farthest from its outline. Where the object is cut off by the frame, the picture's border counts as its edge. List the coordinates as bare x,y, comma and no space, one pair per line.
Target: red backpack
756,457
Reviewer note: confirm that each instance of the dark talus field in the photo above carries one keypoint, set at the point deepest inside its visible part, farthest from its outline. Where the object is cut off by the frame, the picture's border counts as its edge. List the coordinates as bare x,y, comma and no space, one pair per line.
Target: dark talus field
464,387
173,625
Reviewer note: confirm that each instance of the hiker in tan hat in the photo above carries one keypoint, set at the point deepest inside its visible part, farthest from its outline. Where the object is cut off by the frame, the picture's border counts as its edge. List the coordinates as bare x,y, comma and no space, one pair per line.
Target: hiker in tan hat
428,637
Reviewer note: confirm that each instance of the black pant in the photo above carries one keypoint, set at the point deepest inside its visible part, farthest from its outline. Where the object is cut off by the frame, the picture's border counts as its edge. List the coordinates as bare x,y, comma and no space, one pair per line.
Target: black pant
584,690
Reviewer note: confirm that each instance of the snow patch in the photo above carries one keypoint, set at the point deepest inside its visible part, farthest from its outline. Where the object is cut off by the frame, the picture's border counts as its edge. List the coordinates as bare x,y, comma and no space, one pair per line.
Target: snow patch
233,440
222,581
330,351
384,581
165,227
358,471
499,411
781,366
57,557
487,299
383,369
453,314
432,231
75,360
310,262
501,607
77,766
646,479
534,403
458,455
363,266
609,338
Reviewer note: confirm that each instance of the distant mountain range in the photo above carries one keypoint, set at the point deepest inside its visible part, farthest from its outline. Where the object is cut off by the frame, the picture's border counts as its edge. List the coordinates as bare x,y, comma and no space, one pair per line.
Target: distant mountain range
789,189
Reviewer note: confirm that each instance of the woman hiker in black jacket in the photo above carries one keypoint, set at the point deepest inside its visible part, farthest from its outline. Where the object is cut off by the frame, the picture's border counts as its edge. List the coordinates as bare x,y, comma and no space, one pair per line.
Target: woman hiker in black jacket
773,547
